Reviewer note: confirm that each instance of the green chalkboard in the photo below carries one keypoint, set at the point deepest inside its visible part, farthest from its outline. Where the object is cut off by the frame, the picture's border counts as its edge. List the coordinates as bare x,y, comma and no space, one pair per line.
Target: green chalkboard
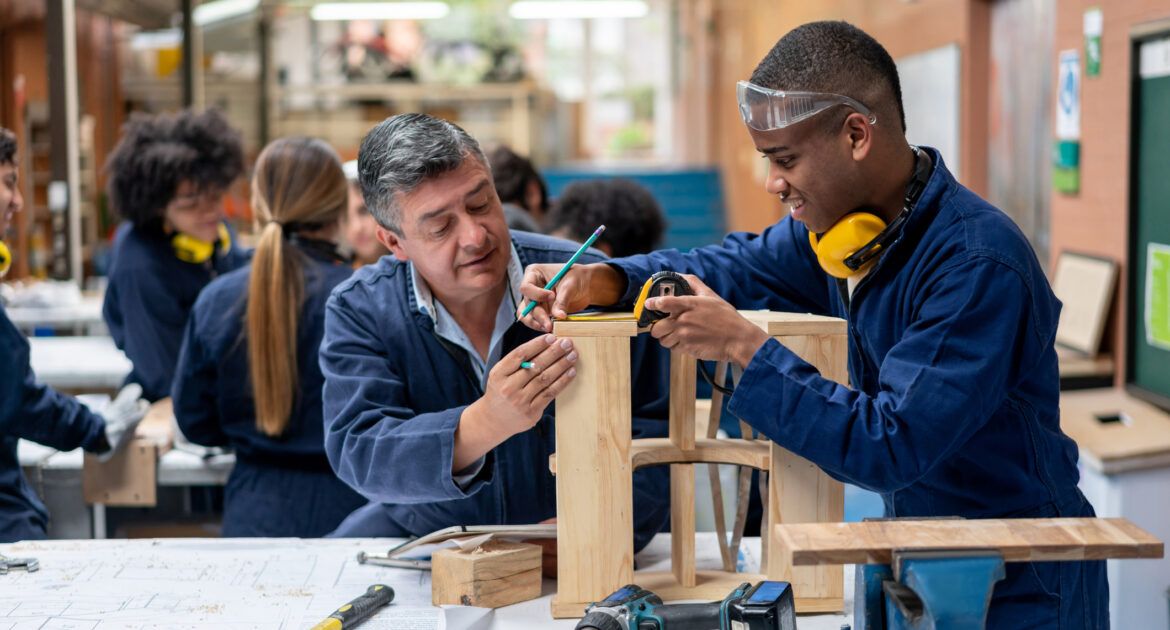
1149,260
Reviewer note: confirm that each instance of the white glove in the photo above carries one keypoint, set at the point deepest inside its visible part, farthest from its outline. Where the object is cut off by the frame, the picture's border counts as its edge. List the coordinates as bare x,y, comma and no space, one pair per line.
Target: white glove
122,417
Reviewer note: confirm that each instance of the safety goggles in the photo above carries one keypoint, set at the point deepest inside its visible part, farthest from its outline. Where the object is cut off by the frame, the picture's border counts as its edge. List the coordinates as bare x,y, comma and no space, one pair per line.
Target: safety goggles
764,109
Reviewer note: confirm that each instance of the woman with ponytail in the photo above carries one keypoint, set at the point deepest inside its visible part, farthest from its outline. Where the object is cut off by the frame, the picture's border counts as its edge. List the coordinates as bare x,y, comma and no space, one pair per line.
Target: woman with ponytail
247,375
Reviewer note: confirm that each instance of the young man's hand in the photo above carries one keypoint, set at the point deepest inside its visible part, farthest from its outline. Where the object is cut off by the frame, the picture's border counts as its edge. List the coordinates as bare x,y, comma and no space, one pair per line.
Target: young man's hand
597,284
705,326
514,397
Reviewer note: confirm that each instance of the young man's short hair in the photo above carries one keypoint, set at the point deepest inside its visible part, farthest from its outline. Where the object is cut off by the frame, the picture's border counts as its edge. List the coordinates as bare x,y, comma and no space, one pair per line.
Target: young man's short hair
159,152
834,57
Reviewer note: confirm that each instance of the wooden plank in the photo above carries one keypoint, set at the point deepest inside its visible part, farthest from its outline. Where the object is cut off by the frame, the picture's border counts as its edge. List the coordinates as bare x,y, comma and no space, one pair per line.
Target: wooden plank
1140,439
682,400
1018,540
651,451
799,491
600,317
129,478
497,573
682,523
654,451
594,473
592,328
791,324
828,353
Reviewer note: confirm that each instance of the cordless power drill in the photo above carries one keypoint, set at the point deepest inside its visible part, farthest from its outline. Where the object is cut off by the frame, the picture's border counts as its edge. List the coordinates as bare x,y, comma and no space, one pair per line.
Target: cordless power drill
765,606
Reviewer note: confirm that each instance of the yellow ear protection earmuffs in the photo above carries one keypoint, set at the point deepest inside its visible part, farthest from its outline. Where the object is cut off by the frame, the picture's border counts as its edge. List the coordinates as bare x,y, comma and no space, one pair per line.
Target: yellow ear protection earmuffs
198,251
5,259
854,242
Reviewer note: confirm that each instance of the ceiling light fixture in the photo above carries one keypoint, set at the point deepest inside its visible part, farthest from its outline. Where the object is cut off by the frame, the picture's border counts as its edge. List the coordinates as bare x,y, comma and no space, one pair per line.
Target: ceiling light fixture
577,9
220,10
345,11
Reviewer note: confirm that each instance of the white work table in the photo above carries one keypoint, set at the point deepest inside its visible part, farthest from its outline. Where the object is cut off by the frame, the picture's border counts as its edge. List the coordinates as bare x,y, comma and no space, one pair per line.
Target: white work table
274,584
56,476
78,363
83,317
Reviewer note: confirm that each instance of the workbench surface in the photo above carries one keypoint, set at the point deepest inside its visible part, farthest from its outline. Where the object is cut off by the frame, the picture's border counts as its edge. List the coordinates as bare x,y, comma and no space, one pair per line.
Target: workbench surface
274,584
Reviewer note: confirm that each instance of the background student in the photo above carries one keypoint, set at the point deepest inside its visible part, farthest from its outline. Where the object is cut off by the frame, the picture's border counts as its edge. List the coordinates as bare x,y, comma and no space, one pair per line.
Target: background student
522,190
361,227
247,376
168,177
632,217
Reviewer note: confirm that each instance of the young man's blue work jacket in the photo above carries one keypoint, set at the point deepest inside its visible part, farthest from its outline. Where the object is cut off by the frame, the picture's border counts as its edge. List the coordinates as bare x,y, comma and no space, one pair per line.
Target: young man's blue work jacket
394,392
150,293
33,412
281,485
954,405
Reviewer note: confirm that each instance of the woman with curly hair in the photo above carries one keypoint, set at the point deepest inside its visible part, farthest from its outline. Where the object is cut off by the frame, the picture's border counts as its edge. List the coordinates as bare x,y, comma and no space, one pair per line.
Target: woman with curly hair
167,179
248,376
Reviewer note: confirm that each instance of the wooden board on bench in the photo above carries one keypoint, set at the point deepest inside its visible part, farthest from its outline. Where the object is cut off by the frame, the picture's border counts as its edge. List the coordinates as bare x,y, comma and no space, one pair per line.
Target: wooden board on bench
1018,540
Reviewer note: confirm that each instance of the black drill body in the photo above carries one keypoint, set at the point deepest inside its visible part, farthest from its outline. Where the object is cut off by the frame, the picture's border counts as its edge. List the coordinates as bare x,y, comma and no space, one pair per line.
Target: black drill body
765,606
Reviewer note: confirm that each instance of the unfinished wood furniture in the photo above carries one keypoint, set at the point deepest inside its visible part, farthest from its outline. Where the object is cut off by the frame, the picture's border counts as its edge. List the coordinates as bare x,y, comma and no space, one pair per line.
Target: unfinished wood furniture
494,574
596,458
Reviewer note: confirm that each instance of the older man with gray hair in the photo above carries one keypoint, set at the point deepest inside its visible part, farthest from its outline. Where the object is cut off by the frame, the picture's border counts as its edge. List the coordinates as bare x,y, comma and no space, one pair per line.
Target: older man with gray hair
428,410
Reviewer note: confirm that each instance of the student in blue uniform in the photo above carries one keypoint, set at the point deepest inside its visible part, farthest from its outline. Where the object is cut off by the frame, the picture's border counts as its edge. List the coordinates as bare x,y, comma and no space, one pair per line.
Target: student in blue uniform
167,179
954,405
247,375
428,411
35,412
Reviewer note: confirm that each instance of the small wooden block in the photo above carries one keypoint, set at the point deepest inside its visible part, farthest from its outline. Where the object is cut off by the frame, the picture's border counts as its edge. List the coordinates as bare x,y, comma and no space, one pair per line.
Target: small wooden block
495,574
128,479
682,400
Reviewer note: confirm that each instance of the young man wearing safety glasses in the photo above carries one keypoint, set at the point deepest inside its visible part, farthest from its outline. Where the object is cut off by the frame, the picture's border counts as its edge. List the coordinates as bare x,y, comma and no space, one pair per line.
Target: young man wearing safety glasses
954,405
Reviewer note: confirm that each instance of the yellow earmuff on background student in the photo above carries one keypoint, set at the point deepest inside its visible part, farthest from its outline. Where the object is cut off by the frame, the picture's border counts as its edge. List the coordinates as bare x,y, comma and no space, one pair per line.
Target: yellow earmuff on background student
5,259
195,250
168,177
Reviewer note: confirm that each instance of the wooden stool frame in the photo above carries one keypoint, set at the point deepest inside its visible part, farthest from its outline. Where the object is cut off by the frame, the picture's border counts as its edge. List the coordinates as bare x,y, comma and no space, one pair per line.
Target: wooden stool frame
596,457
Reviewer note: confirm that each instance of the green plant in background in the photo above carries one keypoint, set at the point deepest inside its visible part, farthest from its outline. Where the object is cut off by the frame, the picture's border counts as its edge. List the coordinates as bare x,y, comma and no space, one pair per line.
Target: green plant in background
641,98
630,140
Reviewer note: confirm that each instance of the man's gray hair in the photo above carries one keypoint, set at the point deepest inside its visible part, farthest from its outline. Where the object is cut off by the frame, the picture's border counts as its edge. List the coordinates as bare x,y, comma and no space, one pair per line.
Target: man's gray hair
401,153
